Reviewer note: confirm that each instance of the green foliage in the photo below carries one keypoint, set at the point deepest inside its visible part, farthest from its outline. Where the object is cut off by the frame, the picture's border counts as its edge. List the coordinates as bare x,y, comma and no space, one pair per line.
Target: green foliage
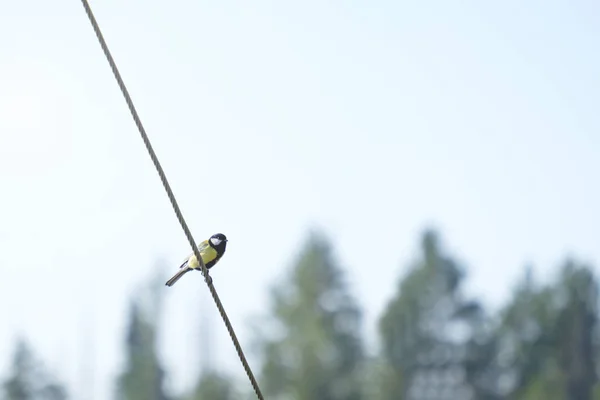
527,335
547,384
313,348
435,342
383,381
28,380
214,386
429,331
144,376
576,336
549,336
21,383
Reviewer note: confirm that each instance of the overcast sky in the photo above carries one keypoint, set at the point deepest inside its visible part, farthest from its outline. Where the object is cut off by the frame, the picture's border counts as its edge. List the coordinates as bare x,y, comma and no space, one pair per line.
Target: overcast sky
371,120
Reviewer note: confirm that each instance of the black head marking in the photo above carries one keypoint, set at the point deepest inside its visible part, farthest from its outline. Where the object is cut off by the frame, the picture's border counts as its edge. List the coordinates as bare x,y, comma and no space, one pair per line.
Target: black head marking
218,241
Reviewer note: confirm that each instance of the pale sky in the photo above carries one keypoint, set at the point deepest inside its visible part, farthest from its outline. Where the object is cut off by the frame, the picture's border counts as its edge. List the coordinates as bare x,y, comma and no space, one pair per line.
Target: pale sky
370,120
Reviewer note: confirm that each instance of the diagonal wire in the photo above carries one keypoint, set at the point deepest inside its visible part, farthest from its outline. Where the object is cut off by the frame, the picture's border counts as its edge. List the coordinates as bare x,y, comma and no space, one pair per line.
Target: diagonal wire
165,183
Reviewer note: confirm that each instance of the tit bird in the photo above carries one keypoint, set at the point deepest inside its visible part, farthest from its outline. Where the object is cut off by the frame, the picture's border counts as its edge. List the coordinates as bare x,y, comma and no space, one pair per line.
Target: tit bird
211,251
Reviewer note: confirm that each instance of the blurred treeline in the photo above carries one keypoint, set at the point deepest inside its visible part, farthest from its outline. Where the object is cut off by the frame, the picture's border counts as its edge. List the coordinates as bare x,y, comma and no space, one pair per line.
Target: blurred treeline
435,342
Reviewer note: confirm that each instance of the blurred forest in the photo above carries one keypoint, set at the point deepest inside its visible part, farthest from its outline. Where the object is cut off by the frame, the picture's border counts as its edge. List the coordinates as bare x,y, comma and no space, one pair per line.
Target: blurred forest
435,342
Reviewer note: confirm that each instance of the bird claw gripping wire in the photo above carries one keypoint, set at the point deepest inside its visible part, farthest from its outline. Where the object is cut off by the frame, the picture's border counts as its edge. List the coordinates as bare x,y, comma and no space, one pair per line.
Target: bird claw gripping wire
207,277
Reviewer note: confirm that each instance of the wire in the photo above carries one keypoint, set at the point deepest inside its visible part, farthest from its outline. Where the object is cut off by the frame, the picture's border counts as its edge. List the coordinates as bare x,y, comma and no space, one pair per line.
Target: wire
171,196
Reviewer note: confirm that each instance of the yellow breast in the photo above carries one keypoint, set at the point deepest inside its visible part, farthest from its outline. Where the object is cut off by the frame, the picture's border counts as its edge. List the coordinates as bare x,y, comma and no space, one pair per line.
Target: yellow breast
208,254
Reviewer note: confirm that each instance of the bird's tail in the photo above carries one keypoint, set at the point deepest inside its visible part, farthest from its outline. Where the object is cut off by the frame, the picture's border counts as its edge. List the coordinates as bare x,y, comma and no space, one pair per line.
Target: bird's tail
177,276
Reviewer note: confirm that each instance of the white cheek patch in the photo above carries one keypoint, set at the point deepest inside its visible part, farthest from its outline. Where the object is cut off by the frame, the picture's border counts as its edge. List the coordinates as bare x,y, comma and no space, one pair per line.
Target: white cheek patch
215,241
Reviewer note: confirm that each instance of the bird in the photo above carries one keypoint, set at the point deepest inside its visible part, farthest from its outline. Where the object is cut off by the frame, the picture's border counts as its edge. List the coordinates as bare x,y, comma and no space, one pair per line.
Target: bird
211,251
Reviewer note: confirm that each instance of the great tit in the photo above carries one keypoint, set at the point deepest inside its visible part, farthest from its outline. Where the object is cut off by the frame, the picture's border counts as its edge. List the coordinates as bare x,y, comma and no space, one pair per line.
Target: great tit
211,251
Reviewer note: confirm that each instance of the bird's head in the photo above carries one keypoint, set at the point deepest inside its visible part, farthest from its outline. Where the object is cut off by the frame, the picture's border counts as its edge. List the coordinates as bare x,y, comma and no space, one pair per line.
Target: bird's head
218,240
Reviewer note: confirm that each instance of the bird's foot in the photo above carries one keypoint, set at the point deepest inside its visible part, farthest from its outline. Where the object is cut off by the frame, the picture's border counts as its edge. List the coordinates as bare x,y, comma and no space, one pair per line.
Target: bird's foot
207,277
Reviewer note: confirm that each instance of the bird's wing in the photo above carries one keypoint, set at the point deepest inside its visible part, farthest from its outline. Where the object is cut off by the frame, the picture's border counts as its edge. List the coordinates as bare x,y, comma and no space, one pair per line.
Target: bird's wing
185,261
201,247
